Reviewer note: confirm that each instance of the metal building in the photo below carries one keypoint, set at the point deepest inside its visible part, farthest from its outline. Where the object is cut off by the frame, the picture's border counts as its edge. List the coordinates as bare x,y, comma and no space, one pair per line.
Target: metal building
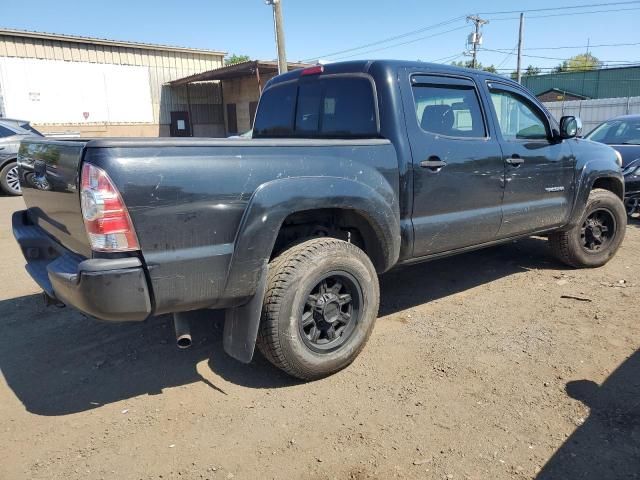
241,86
95,87
618,82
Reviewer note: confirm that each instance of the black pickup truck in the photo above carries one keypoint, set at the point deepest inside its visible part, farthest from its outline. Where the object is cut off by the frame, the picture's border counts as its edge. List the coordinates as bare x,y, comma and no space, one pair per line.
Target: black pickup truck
354,168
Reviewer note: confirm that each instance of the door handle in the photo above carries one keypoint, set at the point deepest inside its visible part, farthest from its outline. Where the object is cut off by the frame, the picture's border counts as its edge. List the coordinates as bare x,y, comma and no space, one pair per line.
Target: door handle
433,163
515,161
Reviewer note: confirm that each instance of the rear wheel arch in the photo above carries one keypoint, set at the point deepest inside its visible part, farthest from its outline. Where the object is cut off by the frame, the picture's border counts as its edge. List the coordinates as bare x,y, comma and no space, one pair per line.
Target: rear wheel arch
275,201
351,225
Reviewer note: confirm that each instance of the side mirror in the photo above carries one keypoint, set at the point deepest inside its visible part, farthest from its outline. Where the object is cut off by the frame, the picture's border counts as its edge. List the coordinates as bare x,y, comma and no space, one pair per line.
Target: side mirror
570,127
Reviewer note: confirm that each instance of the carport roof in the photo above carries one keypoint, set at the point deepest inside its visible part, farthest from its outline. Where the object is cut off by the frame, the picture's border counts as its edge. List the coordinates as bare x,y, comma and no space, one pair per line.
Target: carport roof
236,70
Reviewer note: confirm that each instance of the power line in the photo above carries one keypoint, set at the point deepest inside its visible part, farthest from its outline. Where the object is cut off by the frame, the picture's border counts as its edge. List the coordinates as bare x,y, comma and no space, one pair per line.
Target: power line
570,11
401,44
447,58
566,13
509,54
551,58
575,46
391,39
552,69
568,7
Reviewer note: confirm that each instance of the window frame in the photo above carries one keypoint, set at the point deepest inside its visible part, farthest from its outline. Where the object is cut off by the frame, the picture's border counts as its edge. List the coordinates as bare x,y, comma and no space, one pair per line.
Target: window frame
527,100
301,80
444,81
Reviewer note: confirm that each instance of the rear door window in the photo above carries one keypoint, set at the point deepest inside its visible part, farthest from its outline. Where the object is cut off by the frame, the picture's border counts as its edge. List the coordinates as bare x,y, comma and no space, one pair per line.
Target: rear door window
334,107
447,108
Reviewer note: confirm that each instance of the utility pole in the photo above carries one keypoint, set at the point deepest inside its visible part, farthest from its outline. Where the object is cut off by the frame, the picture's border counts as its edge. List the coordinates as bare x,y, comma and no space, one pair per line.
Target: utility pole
278,26
476,37
520,40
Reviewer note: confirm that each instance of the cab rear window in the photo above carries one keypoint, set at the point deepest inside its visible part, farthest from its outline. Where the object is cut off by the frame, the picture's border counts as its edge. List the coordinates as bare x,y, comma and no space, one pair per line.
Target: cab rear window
335,107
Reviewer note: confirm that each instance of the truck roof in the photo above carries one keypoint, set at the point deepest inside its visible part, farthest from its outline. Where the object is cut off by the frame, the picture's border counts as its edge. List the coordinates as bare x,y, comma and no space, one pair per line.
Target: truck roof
366,65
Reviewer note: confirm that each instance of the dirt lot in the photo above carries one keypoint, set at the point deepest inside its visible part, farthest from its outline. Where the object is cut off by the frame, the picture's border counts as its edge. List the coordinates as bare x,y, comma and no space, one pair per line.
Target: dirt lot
496,364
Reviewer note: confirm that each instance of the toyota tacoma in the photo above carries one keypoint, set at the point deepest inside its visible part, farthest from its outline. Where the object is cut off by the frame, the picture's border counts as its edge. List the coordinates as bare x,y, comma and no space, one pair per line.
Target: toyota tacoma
354,168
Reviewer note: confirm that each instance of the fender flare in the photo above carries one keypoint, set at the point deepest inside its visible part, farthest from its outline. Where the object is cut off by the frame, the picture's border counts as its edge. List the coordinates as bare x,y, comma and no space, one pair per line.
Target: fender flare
588,175
274,201
269,206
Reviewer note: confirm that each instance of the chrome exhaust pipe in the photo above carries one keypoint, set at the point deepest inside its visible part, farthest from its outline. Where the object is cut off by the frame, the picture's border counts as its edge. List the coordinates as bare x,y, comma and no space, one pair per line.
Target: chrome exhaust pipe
183,331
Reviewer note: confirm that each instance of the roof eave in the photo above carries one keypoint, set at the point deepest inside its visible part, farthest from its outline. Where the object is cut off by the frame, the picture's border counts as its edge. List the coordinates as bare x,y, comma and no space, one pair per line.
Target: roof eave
103,41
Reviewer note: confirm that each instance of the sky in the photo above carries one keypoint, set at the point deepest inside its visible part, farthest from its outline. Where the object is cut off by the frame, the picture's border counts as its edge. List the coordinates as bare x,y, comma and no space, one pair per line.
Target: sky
321,29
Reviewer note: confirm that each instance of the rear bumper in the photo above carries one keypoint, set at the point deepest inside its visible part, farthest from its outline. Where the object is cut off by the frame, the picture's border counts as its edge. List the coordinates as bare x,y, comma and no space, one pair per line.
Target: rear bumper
108,289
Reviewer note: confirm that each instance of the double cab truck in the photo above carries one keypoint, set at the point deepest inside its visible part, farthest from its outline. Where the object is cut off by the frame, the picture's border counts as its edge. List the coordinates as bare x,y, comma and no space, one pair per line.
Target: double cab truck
354,168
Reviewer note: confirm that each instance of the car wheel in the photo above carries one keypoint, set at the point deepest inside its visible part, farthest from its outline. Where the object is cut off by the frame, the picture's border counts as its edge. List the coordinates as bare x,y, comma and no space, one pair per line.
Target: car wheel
598,235
320,307
10,179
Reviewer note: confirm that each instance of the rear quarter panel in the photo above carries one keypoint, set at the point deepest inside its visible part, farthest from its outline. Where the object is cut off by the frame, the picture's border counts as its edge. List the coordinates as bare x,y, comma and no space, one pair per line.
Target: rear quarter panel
187,204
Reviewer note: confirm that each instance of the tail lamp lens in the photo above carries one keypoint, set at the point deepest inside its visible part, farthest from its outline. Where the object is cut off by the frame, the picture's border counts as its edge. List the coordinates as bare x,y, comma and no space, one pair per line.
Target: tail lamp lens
106,218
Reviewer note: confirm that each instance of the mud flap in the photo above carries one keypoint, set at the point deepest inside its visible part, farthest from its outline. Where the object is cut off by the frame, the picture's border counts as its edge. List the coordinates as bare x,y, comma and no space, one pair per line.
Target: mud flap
241,324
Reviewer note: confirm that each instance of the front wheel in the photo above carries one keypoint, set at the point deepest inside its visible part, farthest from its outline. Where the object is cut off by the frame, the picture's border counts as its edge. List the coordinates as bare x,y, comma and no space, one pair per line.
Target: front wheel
10,180
598,235
320,307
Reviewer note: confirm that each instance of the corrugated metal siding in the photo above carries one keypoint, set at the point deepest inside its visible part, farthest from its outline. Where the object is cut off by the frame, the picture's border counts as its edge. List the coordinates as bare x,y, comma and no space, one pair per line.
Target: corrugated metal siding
81,52
594,112
604,83
164,66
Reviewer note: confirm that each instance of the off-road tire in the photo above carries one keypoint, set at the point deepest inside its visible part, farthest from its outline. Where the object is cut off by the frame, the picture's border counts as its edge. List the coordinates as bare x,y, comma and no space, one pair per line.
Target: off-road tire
4,184
567,245
292,276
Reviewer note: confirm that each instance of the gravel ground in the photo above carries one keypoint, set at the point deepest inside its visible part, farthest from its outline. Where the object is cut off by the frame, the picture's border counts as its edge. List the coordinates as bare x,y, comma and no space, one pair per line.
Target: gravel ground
491,365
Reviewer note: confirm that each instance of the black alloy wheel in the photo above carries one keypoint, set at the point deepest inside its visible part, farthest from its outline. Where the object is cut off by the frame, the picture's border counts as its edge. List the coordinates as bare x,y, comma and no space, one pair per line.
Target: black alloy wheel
598,229
331,311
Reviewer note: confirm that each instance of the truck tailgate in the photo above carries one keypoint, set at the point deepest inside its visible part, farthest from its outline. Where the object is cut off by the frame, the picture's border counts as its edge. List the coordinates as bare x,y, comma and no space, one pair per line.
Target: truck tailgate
49,173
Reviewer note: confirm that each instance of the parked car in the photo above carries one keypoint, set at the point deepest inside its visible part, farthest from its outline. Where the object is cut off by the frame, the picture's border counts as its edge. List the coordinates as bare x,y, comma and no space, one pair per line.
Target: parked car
632,187
623,134
353,169
11,133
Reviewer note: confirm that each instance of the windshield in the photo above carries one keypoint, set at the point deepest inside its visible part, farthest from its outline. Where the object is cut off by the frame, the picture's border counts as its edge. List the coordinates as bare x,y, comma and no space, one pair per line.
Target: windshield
617,132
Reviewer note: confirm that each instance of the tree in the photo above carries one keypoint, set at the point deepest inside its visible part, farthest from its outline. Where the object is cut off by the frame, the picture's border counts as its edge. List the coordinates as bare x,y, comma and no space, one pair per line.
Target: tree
530,71
233,59
579,63
479,66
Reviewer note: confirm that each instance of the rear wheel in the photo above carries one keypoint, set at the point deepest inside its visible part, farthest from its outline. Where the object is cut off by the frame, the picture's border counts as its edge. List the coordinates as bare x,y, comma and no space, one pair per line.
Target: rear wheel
10,180
598,235
320,307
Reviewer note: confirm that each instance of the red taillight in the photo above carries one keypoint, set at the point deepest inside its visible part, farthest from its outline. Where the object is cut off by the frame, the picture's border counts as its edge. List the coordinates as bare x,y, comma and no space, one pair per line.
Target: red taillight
316,70
106,218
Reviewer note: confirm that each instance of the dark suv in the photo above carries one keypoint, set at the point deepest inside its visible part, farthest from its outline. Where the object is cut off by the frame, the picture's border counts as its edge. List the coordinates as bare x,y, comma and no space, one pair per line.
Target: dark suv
11,133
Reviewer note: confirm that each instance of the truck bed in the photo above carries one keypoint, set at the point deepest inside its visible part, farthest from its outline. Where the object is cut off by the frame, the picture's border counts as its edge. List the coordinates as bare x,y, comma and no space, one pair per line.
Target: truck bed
187,205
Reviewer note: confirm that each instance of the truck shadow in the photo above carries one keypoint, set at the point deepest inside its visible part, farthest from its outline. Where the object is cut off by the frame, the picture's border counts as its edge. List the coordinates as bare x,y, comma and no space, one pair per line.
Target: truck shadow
405,287
58,362
607,445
